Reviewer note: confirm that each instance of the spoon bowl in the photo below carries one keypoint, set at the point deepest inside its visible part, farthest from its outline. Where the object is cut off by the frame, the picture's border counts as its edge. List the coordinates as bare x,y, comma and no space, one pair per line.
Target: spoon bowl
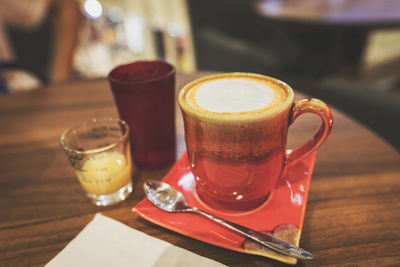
164,196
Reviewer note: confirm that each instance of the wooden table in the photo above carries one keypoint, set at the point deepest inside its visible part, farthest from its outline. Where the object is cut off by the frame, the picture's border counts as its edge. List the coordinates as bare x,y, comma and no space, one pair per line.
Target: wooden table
363,12
333,33
352,215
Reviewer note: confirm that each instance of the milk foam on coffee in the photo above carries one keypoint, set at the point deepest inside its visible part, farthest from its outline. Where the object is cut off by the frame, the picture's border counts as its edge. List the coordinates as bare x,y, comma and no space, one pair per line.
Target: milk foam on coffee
233,95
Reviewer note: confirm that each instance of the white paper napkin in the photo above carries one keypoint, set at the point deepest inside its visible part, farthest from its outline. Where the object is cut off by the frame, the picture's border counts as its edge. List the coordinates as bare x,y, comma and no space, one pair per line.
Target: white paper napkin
107,242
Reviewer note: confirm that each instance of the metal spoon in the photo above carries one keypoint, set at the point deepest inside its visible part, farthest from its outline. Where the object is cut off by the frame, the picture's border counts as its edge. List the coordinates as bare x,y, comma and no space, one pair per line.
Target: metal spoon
168,199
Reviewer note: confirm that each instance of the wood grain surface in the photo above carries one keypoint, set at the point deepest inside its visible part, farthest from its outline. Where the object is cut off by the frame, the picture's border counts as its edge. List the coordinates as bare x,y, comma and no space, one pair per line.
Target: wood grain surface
352,217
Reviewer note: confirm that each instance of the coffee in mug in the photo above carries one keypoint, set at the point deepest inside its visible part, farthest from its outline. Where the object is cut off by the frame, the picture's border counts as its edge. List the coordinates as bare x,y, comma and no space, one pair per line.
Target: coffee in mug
236,128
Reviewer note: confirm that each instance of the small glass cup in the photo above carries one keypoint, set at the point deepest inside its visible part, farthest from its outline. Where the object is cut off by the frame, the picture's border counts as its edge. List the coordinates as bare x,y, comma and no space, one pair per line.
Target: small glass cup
99,152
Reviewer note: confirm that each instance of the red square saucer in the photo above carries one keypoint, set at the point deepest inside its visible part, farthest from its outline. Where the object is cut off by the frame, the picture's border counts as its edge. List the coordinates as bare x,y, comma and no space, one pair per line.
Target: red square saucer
281,215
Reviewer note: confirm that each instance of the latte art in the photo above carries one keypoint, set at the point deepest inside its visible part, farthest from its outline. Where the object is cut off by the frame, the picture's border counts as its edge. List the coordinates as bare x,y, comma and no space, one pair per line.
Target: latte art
233,95
239,95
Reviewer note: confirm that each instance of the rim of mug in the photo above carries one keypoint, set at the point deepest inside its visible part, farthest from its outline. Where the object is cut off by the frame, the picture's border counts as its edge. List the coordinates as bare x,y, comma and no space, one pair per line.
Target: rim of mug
234,116
122,139
166,74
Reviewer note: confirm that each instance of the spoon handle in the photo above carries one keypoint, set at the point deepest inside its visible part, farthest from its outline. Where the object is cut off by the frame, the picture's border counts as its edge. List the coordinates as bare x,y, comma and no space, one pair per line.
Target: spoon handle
263,239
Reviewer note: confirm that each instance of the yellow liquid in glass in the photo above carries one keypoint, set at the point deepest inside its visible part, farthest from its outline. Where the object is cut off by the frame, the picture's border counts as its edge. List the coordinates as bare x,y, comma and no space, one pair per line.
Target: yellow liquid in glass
105,173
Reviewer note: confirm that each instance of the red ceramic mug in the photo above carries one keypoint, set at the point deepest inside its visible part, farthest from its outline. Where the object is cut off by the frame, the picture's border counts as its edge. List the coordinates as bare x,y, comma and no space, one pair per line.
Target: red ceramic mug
236,127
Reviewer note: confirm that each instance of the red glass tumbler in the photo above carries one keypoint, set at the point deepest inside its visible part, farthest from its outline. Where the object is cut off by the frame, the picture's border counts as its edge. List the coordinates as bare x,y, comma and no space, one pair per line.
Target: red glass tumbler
144,92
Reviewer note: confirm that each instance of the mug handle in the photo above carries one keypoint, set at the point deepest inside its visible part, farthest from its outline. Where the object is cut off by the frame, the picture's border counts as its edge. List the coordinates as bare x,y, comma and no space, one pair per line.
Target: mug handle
318,107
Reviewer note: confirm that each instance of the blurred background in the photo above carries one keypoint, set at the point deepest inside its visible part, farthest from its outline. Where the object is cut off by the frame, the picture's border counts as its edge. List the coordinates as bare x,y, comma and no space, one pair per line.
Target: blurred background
346,52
